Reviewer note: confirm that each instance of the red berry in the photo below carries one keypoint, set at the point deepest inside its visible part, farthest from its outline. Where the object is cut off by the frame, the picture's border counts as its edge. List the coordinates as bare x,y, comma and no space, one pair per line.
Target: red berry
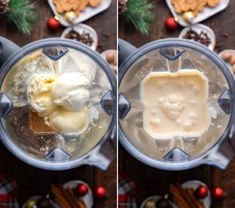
53,23
171,24
82,189
218,193
100,192
201,192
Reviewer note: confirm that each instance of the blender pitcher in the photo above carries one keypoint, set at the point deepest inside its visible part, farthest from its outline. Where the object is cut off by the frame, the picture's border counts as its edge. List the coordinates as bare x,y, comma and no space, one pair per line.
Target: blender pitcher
57,104
176,104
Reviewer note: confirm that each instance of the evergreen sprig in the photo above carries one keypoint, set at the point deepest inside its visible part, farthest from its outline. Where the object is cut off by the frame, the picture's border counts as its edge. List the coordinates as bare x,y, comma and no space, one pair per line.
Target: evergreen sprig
139,13
22,14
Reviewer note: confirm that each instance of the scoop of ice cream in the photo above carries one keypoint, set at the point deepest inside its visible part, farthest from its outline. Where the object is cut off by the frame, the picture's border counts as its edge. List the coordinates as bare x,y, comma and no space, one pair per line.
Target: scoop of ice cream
70,122
39,92
71,91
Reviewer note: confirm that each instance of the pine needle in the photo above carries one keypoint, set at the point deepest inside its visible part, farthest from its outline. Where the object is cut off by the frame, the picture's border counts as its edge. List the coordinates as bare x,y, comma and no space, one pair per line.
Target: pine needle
140,15
22,14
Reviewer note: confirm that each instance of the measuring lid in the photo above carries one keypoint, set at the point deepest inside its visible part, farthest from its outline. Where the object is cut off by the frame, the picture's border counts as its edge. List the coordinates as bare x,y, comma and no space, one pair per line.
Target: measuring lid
57,100
176,101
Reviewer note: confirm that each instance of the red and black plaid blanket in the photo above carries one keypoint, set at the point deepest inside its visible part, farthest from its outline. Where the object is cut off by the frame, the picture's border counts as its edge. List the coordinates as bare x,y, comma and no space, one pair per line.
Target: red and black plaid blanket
7,192
126,188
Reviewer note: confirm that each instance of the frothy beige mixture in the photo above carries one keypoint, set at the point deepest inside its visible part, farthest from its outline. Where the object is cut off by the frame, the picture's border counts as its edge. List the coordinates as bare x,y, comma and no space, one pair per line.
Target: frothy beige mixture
175,104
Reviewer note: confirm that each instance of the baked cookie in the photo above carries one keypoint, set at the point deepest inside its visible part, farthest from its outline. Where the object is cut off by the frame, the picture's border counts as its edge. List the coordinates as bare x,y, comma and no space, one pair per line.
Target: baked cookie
94,3
192,4
74,4
83,4
175,4
201,5
213,3
59,6
185,7
67,6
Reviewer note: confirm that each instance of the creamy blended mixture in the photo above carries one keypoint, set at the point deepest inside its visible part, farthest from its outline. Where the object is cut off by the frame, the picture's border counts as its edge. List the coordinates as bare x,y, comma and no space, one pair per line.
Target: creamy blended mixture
175,104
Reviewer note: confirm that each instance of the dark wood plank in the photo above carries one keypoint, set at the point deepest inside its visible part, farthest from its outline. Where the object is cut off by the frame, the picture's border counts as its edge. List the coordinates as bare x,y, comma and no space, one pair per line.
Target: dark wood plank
33,181
151,181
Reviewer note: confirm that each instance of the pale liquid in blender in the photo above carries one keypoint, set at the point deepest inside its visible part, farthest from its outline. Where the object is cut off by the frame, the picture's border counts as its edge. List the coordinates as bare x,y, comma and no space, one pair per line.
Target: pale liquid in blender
175,104
54,108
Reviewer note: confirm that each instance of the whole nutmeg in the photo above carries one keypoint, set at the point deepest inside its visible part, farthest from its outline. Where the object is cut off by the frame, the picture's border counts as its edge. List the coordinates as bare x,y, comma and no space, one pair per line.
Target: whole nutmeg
115,59
232,61
233,67
115,68
110,57
226,56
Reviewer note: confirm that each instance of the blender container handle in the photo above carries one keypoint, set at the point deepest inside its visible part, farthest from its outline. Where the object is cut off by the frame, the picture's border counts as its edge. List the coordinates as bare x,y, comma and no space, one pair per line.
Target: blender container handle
125,49
221,156
102,157
7,48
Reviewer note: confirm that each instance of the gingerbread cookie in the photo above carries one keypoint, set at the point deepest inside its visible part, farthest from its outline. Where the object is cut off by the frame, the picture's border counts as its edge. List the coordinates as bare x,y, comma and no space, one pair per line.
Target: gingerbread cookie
175,4
59,6
213,3
83,4
63,6
201,5
185,7
69,5
78,11
194,6
94,3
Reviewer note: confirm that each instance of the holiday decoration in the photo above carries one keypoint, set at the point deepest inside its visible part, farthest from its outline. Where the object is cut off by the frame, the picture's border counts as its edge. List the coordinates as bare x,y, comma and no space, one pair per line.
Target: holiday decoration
201,192
188,17
31,203
100,192
8,190
19,12
186,196
70,16
218,193
150,204
138,13
126,191
65,197
82,189
53,23
171,23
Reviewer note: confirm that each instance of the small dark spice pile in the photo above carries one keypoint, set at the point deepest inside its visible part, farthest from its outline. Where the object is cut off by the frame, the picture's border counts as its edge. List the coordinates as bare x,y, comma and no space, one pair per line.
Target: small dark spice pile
81,37
201,37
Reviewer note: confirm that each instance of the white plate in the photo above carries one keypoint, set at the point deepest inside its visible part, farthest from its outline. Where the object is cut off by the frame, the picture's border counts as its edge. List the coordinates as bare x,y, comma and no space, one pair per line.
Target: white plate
84,15
199,28
228,64
195,184
38,197
88,198
83,28
155,198
205,14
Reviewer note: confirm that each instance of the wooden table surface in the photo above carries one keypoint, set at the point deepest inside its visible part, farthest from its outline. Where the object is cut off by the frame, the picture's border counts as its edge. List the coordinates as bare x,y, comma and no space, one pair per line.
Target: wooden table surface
33,181
151,181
